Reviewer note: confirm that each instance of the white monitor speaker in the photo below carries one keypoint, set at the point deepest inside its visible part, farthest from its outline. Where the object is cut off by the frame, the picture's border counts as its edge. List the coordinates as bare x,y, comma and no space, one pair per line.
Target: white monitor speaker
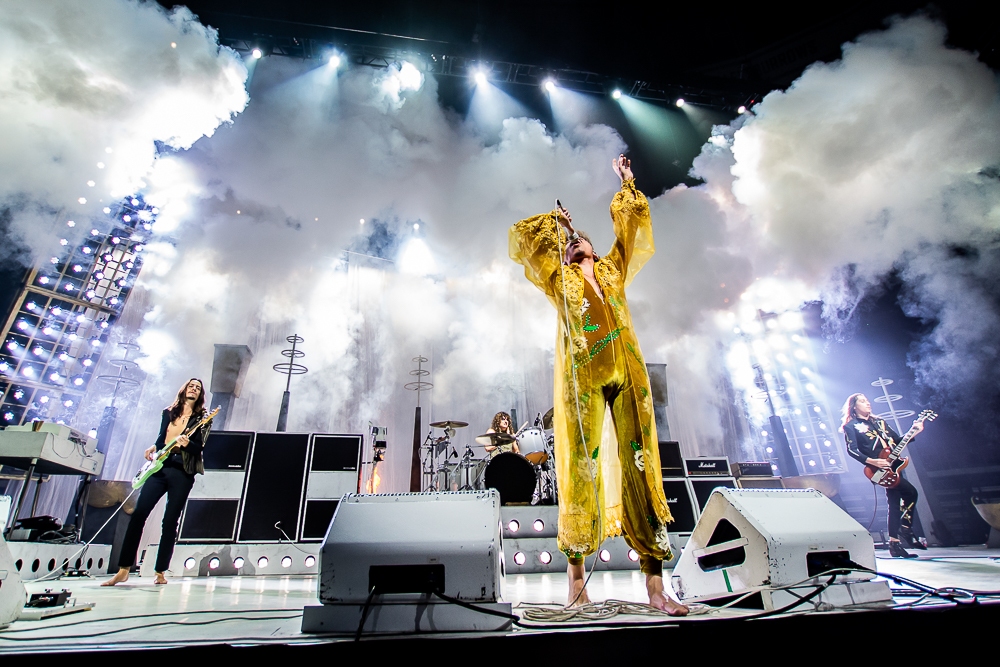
405,546
12,596
764,549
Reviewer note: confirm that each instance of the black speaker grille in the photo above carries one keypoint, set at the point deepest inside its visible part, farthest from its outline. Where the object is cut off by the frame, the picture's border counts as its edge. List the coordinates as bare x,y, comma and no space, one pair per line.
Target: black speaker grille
319,513
274,486
227,450
209,520
335,453
680,506
703,488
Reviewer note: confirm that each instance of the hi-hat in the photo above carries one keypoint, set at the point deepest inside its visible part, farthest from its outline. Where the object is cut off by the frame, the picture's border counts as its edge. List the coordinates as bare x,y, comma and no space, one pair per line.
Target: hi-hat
449,423
494,439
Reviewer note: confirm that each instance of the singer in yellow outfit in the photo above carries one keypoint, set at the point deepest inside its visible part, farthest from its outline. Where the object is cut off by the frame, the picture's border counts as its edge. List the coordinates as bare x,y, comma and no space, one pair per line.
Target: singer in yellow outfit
611,484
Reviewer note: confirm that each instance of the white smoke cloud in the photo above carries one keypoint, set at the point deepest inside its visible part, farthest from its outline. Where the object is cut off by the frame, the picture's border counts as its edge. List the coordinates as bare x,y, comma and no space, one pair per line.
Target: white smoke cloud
88,88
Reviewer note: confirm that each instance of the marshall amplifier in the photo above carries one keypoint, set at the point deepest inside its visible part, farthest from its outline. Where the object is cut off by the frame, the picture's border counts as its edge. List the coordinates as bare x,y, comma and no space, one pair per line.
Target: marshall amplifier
754,482
671,461
752,469
705,466
682,505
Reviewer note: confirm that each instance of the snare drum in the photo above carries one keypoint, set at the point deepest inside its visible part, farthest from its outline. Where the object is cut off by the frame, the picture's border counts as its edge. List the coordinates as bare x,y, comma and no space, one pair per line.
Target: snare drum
531,443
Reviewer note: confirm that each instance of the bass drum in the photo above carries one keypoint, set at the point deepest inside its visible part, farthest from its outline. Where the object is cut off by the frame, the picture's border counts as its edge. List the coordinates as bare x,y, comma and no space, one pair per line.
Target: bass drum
512,476
531,443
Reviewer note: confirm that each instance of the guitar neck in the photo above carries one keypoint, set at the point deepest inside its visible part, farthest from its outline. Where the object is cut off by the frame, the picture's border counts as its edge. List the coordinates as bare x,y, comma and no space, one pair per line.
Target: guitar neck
905,439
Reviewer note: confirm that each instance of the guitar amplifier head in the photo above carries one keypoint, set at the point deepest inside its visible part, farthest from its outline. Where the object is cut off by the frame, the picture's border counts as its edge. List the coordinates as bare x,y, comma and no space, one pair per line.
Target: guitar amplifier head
707,466
752,469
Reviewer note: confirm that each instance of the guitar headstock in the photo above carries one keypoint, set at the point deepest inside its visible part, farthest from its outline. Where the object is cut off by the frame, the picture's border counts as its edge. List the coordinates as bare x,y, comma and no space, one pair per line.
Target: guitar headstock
211,415
927,415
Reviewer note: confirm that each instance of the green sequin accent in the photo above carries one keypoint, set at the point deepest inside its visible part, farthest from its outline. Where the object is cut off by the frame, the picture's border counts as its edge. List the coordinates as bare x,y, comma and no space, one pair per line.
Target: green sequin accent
585,396
652,521
603,343
645,430
587,326
635,354
644,392
635,446
593,454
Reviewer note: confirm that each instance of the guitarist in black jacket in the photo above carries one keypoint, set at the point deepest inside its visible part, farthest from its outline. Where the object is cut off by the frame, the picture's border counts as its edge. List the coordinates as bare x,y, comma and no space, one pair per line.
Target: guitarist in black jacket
866,437
175,479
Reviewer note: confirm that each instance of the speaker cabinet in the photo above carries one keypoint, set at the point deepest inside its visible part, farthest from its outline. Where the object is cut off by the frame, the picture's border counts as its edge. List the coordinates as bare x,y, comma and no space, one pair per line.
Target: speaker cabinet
767,548
273,492
334,463
213,506
12,597
446,540
682,505
703,488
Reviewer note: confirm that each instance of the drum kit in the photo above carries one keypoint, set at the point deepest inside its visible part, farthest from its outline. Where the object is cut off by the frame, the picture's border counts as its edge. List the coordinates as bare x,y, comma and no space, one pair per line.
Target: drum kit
526,477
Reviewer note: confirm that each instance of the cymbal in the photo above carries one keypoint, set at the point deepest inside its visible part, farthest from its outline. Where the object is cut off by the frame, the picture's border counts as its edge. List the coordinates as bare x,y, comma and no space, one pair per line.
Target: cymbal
495,439
547,419
107,493
449,423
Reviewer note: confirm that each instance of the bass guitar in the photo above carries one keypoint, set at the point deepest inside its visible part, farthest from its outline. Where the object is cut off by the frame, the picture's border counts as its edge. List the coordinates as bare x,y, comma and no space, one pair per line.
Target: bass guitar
889,477
150,468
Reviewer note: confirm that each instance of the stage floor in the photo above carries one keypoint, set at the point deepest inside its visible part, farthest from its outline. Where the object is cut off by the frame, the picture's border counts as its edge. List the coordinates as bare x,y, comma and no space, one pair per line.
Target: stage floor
246,611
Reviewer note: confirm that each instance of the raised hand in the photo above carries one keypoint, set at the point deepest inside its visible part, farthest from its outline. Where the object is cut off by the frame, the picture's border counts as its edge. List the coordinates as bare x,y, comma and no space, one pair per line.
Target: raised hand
623,167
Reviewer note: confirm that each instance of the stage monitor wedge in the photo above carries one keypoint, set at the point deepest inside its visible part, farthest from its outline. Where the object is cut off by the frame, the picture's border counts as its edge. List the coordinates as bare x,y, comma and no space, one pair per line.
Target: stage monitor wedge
12,596
767,548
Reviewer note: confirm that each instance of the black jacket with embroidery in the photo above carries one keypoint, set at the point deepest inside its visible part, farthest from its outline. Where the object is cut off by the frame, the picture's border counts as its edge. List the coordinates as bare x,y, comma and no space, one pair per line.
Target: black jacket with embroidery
188,458
865,437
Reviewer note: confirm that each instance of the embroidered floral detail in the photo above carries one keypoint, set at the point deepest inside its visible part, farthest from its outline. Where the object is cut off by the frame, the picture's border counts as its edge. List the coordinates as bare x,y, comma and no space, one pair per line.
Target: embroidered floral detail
653,523
862,428
640,461
663,541
631,348
645,430
593,461
585,306
635,446
603,343
587,326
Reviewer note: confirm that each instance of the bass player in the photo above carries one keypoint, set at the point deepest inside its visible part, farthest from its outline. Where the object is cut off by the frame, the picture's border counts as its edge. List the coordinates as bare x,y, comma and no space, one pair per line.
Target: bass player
866,436
175,479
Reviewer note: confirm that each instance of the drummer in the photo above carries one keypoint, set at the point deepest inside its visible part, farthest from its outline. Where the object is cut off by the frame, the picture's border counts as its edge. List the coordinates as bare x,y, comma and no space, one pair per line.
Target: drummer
501,424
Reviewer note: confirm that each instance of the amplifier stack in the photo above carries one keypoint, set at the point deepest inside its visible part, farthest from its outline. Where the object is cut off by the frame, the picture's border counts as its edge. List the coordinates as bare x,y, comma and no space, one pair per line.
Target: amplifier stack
756,475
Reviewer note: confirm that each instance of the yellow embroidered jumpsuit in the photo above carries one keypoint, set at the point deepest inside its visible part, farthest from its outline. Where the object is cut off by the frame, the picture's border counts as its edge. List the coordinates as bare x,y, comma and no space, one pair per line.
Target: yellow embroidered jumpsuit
612,484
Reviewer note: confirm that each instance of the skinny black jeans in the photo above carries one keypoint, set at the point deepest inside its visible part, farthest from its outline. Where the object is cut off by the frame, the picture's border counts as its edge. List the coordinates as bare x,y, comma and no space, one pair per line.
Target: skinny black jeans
906,493
177,485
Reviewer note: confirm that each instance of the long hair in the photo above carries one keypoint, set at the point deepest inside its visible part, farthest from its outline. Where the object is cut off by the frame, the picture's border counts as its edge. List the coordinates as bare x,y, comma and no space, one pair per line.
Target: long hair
847,412
177,407
496,423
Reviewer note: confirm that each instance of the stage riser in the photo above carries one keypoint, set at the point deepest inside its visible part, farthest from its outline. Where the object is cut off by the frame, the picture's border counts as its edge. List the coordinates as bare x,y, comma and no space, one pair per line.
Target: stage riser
227,553
38,559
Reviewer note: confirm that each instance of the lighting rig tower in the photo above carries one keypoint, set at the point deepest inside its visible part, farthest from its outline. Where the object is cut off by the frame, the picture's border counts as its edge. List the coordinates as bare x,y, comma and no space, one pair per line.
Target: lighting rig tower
289,368
110,415
418,386
56,331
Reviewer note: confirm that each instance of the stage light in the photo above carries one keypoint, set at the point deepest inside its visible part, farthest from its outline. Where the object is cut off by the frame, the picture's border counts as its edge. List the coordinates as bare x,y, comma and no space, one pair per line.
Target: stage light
214,563
633,555
45,399
416,226
550,85
538,525
68,403
680,102
286,561
764,433
362,221
545,558
82,200
78,381
91,184
189,563
812,463
480,78
87,362
833,462
70,223
617,94
513,525
334,61
519,558
826,443
262,561
742,109
809,445
769,450
310,561
256,53
604,555
238,562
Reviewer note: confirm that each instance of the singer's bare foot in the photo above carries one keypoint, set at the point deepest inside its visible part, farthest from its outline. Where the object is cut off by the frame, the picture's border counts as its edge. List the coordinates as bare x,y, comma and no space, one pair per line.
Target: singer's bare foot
160,580
659,599
577,580
120,577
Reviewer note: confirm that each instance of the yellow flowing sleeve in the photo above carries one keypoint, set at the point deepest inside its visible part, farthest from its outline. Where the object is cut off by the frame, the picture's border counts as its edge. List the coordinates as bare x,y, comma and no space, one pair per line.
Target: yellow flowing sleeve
533,243
633,231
